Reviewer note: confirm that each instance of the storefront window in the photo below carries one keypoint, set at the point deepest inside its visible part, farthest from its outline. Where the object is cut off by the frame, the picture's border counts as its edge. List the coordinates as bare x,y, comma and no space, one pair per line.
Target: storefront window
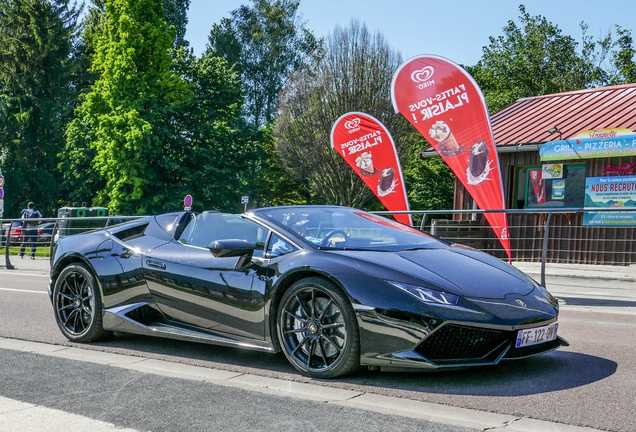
565,188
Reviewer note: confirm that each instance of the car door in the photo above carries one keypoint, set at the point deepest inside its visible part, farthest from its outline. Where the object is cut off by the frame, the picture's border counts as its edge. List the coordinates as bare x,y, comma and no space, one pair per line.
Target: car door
192,286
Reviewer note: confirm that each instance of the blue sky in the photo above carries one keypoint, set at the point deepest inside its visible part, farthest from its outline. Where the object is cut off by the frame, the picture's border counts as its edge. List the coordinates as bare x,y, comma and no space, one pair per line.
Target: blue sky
456,29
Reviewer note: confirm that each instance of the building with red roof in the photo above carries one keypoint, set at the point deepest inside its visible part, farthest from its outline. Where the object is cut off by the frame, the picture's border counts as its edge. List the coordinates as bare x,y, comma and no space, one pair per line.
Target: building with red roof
554,149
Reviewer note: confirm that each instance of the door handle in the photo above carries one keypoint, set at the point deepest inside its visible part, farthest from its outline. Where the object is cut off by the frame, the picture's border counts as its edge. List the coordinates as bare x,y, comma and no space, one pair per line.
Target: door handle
156,264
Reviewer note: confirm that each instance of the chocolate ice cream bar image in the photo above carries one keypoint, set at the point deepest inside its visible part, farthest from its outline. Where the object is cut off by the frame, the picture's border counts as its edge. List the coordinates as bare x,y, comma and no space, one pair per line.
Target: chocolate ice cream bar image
478,158
386,178
441,133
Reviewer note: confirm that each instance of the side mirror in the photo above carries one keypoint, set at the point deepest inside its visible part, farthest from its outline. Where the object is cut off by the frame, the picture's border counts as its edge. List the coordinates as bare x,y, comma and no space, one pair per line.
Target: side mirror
233,248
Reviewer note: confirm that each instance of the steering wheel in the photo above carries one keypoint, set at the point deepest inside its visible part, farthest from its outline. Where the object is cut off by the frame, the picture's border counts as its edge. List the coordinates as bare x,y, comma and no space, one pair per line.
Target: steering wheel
326,240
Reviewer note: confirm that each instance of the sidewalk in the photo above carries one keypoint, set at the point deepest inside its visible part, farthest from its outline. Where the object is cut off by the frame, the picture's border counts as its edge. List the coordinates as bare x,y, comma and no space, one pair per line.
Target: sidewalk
38,267
582,271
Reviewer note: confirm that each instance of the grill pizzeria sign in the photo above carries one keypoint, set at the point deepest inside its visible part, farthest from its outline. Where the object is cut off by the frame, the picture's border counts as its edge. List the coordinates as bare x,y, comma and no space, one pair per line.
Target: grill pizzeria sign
597,143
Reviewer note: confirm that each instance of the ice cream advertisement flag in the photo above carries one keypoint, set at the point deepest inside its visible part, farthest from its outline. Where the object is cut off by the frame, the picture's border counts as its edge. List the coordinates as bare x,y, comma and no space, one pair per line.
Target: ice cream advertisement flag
447,107
367,146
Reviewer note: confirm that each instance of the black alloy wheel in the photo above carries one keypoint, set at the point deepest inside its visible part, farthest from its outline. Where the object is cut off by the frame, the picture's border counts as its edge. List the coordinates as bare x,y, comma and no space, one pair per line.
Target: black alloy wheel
77,304
318,329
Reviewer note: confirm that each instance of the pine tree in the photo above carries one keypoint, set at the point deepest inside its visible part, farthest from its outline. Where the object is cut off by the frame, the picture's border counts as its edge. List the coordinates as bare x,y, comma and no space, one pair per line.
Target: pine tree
38,87
176,14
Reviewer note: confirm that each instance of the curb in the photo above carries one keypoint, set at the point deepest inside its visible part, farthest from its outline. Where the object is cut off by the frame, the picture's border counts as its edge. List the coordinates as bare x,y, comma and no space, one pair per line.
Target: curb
438,413
535,275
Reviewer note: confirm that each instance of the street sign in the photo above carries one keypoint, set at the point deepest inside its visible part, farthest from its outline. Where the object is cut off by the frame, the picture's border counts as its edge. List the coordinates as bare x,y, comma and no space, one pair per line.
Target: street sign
1,193
1,180
187,202
245,200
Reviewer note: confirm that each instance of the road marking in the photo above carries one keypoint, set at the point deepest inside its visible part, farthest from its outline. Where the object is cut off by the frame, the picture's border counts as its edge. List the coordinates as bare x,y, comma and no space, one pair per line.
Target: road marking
22,416
21,290
12,273
437,413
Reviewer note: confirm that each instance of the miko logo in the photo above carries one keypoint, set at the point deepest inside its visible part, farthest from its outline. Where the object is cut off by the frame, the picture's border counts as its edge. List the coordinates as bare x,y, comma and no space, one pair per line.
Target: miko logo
423,77
352,125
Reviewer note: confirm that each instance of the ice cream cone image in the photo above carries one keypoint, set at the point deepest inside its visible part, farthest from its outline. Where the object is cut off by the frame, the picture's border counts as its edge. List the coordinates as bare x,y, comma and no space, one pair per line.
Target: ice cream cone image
365,163
441,133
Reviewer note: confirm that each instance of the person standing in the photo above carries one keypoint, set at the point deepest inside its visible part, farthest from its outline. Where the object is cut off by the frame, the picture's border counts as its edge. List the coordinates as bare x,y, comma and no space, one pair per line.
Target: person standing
30,221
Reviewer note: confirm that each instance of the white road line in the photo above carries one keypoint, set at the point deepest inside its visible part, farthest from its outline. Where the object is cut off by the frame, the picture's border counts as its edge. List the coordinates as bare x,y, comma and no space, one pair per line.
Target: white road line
12,273
25,291
22,416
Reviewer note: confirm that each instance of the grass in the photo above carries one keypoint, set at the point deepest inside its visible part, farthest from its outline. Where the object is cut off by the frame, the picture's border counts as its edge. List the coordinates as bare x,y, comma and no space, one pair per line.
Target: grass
40,251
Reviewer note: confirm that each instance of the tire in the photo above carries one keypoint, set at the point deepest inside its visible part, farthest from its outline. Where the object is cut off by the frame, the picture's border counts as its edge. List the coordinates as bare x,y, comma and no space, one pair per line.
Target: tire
318,330
77,305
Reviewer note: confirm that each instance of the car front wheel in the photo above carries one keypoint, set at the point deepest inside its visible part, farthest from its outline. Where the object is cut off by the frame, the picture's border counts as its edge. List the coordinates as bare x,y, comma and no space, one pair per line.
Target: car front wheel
78,306
318,329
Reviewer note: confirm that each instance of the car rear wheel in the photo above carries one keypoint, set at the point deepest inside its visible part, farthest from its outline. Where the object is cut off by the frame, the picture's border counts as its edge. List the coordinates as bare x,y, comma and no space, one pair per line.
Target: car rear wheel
318,330
78,305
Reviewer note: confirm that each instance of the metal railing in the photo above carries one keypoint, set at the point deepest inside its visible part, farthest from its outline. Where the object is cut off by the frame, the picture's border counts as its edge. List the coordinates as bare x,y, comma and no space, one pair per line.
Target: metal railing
555,235
18,233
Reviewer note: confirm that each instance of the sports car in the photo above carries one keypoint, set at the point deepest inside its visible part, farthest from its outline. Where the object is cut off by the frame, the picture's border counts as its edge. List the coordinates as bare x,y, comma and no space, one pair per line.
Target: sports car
333,288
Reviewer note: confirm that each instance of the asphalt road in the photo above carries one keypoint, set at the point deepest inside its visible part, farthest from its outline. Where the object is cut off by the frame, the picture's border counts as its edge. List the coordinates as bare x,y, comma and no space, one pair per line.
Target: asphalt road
141,401
591,383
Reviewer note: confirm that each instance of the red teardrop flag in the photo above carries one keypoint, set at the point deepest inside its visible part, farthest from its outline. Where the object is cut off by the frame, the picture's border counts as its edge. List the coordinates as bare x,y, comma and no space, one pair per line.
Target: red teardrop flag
367,146
447,107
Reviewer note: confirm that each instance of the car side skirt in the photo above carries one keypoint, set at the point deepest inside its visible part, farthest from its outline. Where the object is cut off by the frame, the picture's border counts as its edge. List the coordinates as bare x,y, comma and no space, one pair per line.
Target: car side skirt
116,319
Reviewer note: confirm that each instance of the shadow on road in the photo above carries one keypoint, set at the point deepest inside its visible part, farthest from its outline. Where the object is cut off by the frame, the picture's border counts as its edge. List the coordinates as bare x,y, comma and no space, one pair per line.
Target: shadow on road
195,353
558,370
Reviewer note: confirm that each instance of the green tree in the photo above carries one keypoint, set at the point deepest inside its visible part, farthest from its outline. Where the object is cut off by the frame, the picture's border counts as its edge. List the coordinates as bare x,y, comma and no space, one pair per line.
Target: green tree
217,156
536,58
265,44
121,128
623,60
354,75
39,71
176,14
430,182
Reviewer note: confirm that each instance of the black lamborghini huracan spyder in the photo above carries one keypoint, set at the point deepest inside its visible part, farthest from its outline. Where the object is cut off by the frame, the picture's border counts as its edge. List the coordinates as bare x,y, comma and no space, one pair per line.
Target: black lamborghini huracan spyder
334,288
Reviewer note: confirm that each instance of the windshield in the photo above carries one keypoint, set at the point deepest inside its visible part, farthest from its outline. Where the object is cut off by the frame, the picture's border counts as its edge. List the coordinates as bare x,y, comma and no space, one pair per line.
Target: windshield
350,229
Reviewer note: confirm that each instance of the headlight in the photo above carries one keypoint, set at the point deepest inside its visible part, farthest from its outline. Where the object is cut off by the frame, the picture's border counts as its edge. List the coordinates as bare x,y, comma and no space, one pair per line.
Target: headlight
428,295
537,286
543,291
547,297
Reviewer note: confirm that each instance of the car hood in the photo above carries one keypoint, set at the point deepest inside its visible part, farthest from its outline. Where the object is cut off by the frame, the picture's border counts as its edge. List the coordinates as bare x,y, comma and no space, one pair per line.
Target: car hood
464,271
